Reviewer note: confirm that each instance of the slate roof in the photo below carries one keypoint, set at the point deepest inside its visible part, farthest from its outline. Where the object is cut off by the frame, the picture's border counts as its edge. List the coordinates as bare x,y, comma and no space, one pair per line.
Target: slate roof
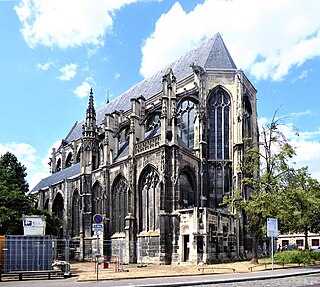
57,177
211,54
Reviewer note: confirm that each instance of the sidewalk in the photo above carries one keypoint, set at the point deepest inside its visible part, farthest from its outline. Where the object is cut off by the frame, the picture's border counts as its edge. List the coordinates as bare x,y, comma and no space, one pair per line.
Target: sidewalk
222,272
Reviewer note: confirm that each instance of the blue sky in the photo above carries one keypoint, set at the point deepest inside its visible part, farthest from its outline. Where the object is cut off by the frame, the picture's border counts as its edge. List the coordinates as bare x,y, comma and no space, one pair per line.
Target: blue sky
53,51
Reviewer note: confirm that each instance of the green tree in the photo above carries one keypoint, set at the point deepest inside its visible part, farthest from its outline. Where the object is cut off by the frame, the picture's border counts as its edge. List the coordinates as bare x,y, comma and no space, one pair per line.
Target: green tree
263,166
300,200
15,201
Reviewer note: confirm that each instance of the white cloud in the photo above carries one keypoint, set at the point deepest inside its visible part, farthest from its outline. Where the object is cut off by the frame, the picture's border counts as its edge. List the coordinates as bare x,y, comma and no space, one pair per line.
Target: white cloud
117,76
68,72
24,152
45,66
83,90
67,23
266,38
303,75
308,154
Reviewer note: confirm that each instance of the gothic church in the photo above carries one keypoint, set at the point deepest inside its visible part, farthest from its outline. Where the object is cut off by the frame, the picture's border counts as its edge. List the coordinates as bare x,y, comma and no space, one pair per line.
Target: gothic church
157,161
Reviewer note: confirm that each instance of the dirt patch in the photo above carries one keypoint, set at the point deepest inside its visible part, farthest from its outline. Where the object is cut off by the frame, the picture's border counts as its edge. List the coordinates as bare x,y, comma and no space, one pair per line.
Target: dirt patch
86,271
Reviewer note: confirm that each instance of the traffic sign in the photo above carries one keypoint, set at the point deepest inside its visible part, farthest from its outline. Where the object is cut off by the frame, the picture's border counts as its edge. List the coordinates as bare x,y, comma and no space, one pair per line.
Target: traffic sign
97,228
97,218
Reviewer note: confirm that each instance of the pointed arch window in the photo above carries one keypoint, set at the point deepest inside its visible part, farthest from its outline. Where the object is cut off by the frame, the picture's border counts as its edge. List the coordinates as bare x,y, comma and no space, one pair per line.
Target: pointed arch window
153,122
152,125
69,160
75,214
119,203
149,195
97,199
57,206
185,122
186,191
58,166
219,125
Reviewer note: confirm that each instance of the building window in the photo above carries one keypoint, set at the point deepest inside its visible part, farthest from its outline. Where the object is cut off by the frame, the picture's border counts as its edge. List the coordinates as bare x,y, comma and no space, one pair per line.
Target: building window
76,214
299,242
185,122
58,166
119,203
149,200
57,206
186,190
153,122
315,242
97,199
247,117
219,125
69,160
285,242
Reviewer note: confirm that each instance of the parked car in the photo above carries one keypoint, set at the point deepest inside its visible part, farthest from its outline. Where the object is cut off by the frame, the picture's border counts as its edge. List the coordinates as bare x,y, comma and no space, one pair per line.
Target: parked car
316,249
289,247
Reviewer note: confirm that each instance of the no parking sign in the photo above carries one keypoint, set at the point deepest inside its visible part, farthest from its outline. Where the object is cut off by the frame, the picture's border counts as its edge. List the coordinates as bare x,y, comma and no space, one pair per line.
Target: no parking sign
97,226
97,218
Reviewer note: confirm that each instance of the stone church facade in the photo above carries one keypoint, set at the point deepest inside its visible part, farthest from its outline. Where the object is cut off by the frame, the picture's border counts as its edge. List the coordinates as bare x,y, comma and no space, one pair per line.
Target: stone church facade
157,161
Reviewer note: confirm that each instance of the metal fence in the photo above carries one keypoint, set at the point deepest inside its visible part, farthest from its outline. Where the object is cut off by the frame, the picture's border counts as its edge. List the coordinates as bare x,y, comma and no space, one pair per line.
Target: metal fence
36,253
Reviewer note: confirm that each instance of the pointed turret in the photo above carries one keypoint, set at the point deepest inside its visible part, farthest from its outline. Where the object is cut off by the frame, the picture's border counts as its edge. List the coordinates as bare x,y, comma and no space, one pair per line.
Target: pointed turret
90,140
90,125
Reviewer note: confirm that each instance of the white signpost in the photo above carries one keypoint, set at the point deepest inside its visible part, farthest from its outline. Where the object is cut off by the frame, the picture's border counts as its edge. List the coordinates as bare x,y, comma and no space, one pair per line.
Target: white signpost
272,231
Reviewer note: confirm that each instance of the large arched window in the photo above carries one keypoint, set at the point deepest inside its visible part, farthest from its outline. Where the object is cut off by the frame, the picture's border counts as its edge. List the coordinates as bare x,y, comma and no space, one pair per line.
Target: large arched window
57,206
185,122
186,191
219,125
149,195
219,168
119,203
75,214
97,199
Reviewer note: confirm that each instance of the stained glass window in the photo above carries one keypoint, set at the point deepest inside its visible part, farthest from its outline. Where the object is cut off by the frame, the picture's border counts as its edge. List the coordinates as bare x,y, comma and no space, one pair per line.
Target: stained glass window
185,122
219,125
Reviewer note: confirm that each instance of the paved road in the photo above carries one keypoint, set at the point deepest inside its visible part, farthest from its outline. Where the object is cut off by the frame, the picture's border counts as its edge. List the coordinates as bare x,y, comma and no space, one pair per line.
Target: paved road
296,277
296,281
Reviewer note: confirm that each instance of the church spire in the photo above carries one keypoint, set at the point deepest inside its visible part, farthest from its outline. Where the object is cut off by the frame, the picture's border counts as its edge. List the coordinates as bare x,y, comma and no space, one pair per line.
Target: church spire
91,113
89,128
